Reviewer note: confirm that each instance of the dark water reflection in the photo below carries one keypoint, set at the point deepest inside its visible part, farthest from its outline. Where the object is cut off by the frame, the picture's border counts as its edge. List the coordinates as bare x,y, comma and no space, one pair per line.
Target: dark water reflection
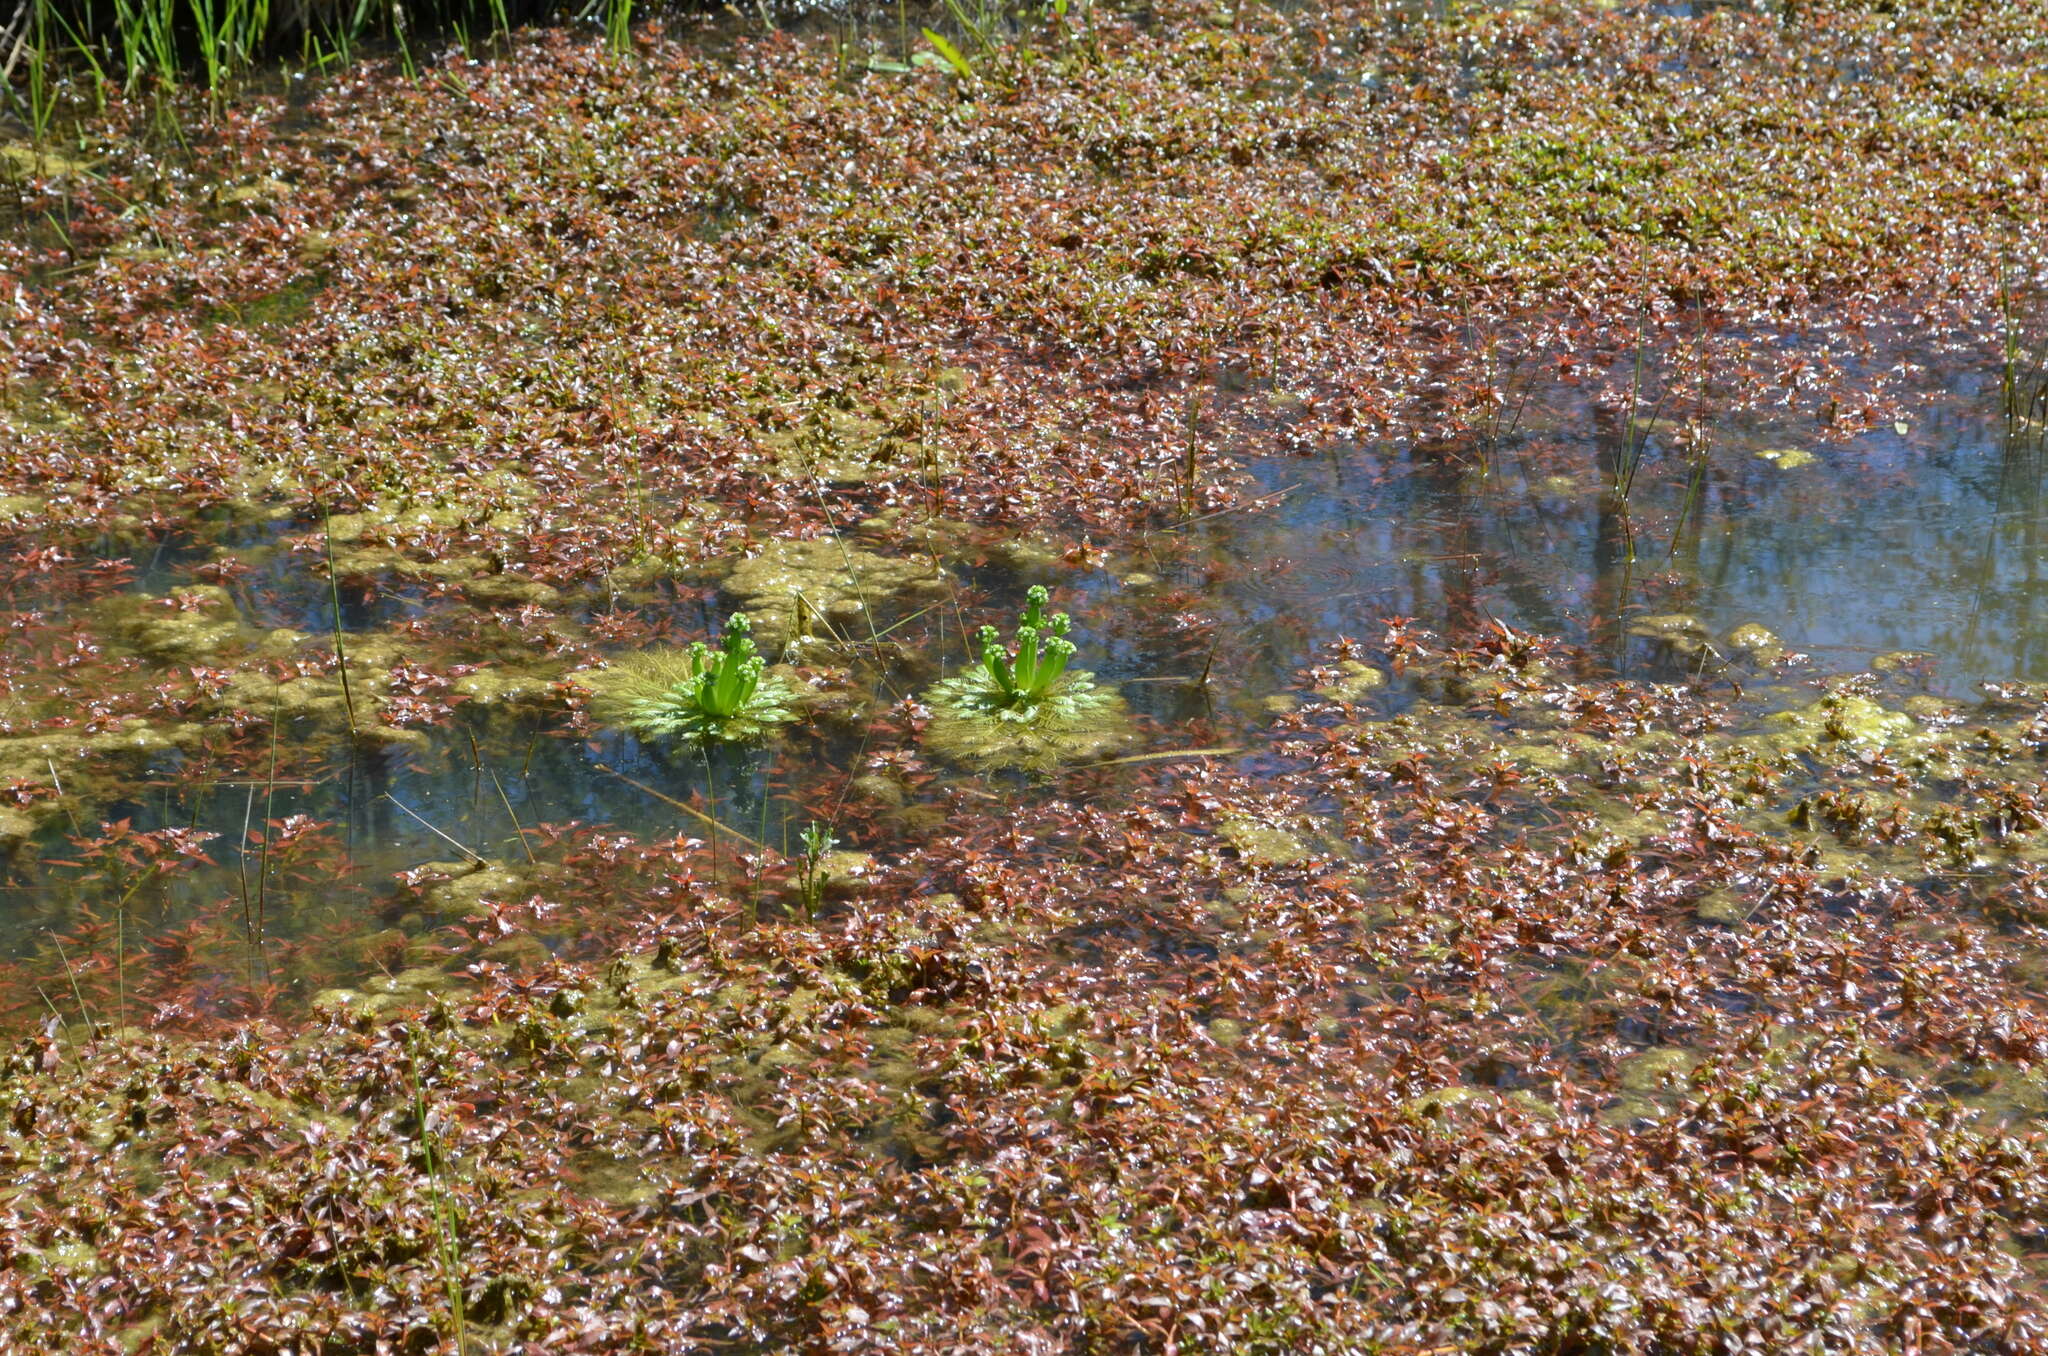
1920,536
1923,536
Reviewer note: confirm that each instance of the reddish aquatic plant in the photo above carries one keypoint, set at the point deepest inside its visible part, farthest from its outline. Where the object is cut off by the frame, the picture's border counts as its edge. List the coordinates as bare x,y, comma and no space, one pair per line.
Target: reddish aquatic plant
1559,992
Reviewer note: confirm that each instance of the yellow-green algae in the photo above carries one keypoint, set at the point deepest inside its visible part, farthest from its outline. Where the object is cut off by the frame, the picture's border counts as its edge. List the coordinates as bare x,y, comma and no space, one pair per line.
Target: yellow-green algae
1355,681
185,627
1077,722
646,694
793,587
1260,842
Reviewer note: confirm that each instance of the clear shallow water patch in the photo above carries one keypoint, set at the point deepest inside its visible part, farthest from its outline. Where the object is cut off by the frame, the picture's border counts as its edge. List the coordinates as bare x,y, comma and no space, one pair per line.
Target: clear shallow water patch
309,853
1915,547
1924,536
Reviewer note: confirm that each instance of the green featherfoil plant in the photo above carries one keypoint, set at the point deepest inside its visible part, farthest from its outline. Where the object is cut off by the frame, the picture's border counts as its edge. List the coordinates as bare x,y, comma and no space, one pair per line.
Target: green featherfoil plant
694,695
1029,676
1022,705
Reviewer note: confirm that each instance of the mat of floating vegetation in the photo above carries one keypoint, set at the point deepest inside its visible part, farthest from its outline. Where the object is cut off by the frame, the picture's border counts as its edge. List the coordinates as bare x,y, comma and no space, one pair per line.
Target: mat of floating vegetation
1693,1021
1469,998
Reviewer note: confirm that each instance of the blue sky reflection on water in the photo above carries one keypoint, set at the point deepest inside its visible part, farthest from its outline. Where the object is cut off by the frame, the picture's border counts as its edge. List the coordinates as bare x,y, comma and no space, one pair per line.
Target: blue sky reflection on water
1926,537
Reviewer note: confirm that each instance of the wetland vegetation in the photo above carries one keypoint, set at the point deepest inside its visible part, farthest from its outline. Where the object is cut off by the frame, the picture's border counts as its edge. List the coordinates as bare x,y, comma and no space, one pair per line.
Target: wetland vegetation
528,824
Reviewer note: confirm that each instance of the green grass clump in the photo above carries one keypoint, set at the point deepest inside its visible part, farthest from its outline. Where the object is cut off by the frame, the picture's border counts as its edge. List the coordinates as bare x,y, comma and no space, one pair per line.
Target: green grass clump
696,694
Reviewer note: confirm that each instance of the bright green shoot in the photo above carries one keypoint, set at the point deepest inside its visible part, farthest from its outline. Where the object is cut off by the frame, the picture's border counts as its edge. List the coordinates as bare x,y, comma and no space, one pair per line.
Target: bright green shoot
618,25
1043,652
728,678
1022,706
695,694
811,875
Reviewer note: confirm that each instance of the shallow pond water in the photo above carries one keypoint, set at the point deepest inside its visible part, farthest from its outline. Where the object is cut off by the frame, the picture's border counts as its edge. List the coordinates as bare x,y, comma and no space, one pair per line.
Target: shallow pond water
1916,545
1556,859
